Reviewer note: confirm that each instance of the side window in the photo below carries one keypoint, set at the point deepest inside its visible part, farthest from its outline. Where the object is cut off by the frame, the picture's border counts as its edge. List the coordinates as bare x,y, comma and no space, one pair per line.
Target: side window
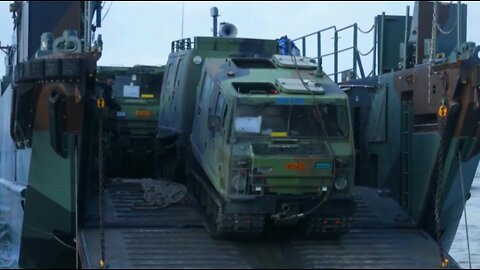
215,92
165,76
220,104
177,79
224,115
206,89
166,80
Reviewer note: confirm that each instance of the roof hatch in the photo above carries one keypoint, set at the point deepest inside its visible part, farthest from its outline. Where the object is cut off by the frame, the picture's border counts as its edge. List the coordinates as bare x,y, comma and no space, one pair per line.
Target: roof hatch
295,86
288,61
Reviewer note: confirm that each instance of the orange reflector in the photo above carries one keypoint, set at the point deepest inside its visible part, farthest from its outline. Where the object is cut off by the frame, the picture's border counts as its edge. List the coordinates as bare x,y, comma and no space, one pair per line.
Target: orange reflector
143,113
100,102
442,111
296,166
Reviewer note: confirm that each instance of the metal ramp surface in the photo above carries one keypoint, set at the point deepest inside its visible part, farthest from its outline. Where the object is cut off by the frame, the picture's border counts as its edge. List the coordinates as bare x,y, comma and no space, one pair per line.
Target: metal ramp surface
174,237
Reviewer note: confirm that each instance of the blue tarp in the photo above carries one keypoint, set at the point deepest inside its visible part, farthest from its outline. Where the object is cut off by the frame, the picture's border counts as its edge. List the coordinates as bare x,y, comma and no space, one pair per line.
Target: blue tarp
285,49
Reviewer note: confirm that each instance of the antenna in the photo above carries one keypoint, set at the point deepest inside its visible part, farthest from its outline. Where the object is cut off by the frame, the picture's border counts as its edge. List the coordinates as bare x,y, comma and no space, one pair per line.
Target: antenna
183,13
214,14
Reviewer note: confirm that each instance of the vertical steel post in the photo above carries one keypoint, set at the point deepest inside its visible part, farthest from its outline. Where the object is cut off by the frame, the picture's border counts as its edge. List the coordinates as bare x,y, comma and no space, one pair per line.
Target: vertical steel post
355,53
319,53
380,51
335,54
374,63
405,42
214,14
459,27
88,25
304,47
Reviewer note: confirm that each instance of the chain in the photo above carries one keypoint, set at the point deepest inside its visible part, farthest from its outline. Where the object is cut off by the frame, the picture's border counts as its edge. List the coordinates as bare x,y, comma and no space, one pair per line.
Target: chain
441,150
100,192
447,32
432,50
75,156
364,54
366,32
438,192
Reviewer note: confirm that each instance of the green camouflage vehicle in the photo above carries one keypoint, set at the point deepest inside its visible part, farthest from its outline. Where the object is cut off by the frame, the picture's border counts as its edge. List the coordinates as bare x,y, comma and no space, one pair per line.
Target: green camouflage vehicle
270,138
136,94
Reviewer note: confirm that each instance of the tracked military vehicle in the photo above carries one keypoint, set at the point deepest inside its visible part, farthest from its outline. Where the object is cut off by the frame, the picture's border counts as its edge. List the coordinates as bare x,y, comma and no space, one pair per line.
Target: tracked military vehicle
136,94
270,139
57,209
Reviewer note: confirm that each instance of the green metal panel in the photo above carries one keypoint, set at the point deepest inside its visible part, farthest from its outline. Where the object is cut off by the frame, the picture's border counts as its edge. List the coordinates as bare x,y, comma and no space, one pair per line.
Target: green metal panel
388,53
49,203
376,130
424,152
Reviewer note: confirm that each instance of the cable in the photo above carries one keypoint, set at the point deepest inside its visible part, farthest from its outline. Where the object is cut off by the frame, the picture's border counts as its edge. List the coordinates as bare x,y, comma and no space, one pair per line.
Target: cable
446,32
365,32
324,199
111,2
364,54
464,210
63,242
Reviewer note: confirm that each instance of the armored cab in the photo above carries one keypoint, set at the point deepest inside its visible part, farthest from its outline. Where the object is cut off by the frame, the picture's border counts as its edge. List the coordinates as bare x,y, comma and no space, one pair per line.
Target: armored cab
179,91
265,138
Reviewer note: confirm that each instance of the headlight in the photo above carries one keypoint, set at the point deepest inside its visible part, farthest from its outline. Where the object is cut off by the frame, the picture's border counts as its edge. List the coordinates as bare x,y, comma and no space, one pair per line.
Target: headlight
238,183
340,183
262,170
239,176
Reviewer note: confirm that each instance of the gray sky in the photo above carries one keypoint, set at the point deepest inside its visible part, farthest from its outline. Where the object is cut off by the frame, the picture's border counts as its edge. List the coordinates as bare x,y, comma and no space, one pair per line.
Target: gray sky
141,32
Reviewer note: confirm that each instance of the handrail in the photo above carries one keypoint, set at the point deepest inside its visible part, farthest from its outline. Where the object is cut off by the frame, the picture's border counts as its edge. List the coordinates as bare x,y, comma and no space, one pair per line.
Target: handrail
320,31
356,52
333,53
15,188
182,44
346,27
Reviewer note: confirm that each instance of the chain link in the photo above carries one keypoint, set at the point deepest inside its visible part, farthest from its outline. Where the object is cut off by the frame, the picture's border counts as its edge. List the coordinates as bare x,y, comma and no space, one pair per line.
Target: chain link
441,150
364,54
446,32
100,192
432,50
439,189
366,32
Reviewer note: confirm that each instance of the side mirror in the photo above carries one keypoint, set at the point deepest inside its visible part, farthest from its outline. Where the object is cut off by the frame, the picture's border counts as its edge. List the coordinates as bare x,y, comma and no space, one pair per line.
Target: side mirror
214,122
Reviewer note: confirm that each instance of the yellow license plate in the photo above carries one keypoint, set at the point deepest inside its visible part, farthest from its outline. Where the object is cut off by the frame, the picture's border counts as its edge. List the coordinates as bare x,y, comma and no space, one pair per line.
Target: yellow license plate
147,96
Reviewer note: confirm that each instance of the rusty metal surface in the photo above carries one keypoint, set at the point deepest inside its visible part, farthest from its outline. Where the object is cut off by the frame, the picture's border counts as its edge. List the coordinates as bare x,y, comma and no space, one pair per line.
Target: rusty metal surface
173,237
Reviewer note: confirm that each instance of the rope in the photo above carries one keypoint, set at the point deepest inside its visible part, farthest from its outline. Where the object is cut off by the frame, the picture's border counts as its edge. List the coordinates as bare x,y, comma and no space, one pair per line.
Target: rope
464,210
63,242
446,32
365,32
111,2
432,50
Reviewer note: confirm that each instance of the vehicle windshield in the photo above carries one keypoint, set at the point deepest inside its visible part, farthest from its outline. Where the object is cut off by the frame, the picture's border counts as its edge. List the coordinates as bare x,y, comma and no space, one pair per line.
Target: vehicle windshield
291,120
144,84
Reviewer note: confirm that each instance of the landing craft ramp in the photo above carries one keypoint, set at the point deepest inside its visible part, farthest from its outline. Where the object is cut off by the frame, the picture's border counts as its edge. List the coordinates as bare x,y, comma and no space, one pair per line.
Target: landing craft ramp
174,237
